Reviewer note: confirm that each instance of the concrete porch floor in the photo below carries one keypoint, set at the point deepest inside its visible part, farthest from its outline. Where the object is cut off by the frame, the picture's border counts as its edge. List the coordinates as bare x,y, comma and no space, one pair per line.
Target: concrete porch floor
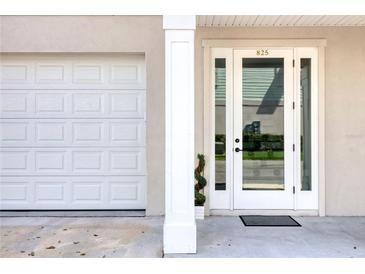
227,237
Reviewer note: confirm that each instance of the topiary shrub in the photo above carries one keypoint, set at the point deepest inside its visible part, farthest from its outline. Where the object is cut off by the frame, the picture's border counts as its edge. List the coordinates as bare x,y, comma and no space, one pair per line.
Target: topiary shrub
201,181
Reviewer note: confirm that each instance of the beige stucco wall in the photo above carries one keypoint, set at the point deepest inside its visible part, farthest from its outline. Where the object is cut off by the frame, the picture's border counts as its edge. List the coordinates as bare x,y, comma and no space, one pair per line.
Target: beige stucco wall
142,34
344,79
344,105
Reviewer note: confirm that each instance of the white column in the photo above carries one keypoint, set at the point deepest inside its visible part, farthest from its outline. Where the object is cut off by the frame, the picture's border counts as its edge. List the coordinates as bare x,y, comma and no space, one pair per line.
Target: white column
179,227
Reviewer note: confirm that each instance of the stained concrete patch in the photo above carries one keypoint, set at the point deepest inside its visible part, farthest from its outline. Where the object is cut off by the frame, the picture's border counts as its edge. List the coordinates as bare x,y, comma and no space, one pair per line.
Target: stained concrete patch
81,237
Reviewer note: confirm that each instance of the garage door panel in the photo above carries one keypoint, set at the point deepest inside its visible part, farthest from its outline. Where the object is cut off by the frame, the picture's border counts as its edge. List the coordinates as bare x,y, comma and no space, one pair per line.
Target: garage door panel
73,71
88,103
48,103
14,132
73,104
48,133
114,192
89,73
16,73
74,133
14,103
52,72
79,161
128,133
16,161
87,132
89,192
53,191
14,191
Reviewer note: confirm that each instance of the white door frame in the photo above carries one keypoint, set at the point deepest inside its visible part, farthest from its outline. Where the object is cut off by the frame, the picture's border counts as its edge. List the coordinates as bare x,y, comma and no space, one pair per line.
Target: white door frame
307,199
223,199
219,201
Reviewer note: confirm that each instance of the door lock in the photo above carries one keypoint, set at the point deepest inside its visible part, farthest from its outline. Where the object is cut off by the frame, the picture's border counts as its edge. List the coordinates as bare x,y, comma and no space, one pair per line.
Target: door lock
237,149
237,140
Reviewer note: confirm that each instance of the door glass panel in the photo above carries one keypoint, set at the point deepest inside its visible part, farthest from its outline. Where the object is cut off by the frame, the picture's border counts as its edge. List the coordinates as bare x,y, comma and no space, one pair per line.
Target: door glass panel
263,123
305,121
220,124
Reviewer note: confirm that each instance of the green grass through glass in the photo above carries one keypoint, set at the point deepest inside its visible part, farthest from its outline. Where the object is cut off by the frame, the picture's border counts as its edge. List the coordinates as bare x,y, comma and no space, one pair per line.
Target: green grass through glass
256,155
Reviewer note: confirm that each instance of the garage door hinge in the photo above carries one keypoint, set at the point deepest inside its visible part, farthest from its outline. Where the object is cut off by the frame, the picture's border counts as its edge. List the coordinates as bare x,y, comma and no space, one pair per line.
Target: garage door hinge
293,63
293,147
293,105
293,189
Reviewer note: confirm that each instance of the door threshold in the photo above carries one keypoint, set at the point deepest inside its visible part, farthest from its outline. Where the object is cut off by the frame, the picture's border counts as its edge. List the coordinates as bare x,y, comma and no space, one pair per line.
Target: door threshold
72,213
237,212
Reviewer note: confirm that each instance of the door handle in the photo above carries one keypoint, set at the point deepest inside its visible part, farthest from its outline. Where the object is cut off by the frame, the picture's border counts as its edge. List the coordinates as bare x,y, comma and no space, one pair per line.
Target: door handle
237,149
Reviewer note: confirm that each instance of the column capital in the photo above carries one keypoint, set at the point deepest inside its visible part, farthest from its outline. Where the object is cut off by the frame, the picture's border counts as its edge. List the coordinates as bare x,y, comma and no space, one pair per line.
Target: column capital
176,22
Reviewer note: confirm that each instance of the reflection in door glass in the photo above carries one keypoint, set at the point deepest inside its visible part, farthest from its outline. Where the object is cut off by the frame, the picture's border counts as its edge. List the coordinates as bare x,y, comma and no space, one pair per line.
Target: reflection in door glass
220,124
305,120
263,123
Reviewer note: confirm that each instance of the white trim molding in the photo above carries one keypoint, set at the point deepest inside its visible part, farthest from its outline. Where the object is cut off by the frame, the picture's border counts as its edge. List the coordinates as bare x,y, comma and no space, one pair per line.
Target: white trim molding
311,202
322,131
179,227
247,43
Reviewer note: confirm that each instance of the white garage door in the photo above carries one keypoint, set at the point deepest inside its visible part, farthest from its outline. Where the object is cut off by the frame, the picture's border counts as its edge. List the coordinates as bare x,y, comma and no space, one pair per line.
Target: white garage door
73,131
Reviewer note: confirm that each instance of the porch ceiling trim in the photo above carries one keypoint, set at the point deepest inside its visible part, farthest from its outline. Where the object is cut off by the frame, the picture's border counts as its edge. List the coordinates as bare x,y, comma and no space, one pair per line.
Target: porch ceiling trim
237,43
279,20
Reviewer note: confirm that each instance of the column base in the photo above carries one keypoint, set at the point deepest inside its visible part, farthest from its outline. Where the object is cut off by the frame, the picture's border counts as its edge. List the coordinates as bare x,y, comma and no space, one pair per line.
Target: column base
179,238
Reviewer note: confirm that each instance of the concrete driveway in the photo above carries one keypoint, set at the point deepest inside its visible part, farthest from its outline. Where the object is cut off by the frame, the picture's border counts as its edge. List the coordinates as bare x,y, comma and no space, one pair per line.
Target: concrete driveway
218,237
95,237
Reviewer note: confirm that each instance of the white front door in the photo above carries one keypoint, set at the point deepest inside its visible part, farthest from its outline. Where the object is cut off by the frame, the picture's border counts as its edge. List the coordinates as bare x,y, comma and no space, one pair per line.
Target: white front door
261,114
263,129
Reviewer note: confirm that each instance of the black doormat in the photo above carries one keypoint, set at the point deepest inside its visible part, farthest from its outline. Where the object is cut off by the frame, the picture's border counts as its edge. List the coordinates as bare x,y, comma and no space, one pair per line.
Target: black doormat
261,220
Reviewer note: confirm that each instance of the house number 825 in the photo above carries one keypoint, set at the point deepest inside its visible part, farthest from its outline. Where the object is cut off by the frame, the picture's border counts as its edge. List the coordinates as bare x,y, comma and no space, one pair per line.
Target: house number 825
262,52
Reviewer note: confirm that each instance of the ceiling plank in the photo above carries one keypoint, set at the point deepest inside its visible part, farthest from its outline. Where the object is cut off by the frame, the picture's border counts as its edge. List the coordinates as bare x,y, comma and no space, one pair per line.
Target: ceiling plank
287,20
279,20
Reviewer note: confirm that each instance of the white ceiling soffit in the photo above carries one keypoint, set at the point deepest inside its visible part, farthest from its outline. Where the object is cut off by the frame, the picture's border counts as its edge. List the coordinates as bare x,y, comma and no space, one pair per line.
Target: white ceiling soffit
279,20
